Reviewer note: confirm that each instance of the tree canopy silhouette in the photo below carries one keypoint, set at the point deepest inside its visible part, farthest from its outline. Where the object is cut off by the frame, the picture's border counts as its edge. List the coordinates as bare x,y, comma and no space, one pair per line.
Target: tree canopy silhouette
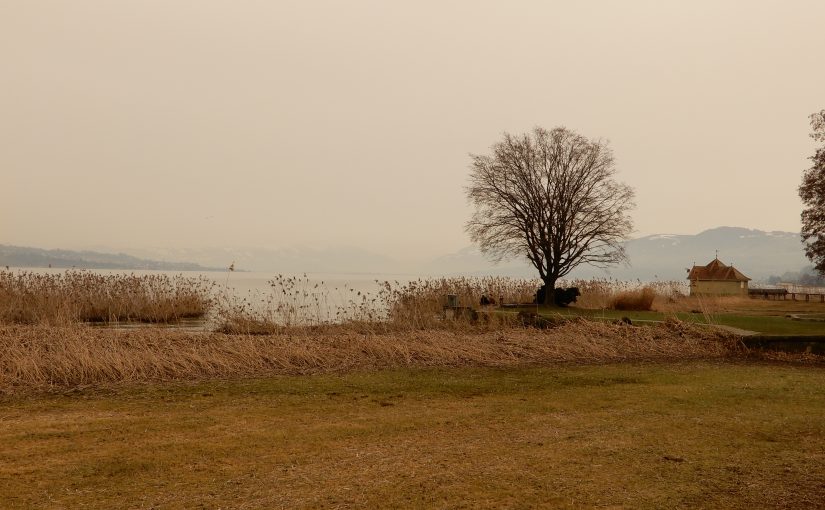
812,193
549,196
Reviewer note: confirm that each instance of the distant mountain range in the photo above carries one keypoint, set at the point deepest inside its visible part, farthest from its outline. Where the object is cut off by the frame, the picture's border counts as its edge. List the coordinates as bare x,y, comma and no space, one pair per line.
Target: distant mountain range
758,254
17,256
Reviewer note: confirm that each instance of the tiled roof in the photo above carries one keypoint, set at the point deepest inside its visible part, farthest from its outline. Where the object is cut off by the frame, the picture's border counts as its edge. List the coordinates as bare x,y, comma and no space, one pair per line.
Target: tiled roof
717,271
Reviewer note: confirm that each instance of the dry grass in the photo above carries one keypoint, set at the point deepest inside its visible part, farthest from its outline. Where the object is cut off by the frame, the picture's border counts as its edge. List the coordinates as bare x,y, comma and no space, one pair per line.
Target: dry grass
297,301
739,304
294,302
83,296
291,302
636,300
602,293
42,358
419,304
694,434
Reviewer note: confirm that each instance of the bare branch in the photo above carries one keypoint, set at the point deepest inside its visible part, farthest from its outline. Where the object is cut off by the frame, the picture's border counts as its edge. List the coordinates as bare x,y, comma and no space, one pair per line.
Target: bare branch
549,196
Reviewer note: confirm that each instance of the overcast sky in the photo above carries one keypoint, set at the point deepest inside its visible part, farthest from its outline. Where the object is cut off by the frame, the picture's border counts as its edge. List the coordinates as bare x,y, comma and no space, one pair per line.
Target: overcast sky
278,124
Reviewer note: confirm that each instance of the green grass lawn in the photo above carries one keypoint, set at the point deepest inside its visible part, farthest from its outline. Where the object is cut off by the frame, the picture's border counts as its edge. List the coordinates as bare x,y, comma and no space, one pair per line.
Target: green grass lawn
688,435
764,324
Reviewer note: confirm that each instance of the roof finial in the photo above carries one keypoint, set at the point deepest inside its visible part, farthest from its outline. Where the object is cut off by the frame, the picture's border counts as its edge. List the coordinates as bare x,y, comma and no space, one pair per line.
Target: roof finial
717,254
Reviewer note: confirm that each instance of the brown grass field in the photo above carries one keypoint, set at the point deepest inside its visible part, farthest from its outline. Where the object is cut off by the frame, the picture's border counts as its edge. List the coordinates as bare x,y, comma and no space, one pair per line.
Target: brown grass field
684,434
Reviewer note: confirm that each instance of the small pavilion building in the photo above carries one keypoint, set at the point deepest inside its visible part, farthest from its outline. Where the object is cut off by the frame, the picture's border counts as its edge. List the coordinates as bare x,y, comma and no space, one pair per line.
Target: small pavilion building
717,279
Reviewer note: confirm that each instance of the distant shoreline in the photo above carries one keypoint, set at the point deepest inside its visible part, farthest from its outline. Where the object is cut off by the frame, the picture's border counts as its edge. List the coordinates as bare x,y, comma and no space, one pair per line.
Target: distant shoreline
24,257
4,267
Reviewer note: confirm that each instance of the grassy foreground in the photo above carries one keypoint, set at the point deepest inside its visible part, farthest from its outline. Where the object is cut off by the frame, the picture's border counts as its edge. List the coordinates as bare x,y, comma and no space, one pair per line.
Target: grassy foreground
644,435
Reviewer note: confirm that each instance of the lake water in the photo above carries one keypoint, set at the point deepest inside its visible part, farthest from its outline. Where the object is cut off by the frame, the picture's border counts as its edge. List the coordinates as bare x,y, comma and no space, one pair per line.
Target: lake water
240,283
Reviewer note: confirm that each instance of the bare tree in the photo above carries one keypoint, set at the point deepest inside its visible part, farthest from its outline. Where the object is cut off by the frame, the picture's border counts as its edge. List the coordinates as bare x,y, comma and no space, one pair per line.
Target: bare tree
549,196
812,193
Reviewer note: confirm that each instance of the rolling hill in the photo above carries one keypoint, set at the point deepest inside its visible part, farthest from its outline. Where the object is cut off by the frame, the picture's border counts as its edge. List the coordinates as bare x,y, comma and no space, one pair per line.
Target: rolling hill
18,256
757,253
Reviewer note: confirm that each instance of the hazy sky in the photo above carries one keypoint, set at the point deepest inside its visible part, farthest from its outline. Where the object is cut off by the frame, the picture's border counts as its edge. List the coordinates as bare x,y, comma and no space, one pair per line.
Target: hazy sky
276,124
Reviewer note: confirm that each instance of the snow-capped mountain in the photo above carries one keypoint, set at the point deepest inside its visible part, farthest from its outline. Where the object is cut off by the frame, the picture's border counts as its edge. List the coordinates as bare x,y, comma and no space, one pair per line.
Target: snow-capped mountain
758,254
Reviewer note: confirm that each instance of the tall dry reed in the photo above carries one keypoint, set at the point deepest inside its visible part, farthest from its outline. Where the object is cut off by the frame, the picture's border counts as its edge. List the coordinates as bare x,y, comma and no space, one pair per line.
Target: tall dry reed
603,293
292,302
60,358
637,300
81,296
297,301
418,304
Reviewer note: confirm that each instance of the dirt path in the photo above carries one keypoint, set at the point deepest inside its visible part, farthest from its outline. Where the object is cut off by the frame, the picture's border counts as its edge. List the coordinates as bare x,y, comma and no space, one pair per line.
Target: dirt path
735,331
731,329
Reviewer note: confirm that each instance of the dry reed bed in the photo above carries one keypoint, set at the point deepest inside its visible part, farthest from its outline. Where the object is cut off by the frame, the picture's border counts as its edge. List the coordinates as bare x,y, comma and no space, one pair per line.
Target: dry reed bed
37,358
82,296
598,293
299,301
76,296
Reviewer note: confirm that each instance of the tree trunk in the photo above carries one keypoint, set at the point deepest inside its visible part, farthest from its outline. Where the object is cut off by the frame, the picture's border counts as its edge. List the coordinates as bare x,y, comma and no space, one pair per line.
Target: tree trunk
549,291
